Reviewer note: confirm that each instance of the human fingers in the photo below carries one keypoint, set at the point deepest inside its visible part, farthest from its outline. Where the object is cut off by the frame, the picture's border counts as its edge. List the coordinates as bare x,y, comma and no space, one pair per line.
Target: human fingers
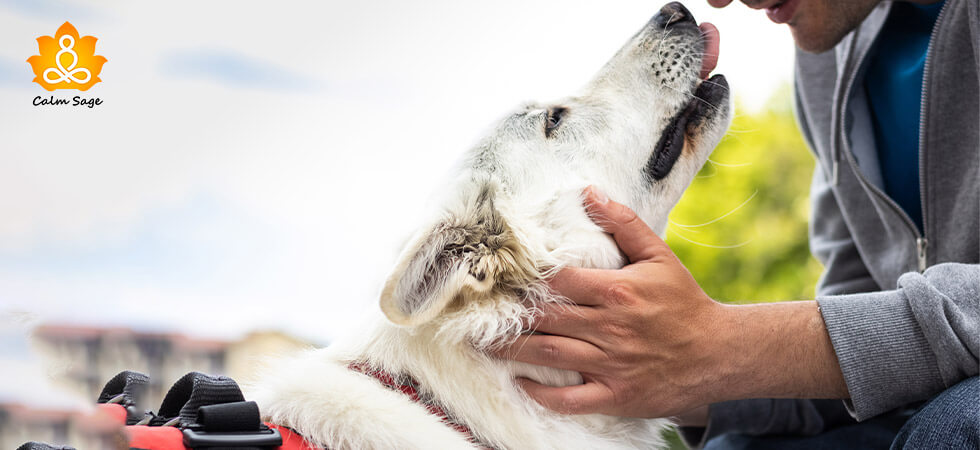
581,285
633,236
578,399
559,352
565,320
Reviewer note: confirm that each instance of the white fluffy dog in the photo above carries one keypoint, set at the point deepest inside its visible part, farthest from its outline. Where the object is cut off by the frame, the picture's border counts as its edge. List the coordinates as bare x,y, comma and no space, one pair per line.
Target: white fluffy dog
639,132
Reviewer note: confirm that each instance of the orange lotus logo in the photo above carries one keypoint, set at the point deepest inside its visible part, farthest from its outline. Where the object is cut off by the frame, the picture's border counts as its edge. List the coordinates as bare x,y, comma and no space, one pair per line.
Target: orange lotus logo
67,61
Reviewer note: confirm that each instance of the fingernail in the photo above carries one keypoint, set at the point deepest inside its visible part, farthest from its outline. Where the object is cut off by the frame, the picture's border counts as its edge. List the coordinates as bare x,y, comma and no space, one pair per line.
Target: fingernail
599,196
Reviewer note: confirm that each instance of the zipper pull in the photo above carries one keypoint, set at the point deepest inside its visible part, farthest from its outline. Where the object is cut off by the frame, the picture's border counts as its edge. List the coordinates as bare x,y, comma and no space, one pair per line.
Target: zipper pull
920,245
835,177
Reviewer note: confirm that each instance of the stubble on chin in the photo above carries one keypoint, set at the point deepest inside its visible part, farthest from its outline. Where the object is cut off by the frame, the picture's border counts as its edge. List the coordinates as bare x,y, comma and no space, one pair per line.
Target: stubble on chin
822,26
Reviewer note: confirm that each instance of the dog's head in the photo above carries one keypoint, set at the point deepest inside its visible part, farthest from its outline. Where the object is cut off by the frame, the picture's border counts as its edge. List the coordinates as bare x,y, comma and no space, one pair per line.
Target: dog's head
639,131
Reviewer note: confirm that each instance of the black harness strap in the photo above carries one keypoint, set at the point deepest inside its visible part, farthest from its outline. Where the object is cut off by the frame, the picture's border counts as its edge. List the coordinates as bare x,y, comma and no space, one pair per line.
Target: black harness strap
238,416
42,446
212,413
126,389
195,390
128,383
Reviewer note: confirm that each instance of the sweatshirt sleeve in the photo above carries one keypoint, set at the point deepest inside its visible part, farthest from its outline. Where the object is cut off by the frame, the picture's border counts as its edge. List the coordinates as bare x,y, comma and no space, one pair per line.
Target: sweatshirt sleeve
894,346
907,344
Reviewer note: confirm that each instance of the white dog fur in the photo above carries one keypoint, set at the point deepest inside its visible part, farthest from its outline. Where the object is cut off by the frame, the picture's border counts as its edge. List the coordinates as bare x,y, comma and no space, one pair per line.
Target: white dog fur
465,282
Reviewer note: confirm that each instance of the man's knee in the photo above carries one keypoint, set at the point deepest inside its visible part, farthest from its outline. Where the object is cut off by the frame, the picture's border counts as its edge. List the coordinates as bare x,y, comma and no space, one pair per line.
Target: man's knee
950,420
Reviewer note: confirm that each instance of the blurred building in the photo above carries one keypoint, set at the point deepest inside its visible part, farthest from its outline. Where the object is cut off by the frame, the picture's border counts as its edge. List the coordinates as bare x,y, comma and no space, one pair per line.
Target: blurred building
20,424
80,359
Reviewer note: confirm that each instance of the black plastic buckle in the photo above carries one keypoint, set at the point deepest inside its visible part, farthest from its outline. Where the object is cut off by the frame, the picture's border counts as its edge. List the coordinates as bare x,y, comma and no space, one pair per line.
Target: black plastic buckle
269,437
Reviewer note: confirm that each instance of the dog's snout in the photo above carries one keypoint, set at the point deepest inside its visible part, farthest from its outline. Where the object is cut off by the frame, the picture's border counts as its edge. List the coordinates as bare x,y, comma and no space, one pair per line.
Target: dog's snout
672,14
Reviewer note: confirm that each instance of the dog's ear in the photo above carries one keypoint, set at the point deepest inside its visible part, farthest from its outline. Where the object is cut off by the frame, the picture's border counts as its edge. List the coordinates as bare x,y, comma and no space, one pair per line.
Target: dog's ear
468,254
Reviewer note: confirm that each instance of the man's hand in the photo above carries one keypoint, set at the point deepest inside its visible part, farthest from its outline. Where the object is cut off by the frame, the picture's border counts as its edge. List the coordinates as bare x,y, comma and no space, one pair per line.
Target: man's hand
641,336
650,343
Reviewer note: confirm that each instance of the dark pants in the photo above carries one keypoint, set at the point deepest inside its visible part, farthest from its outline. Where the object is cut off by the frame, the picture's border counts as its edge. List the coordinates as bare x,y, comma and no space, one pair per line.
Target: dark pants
951,420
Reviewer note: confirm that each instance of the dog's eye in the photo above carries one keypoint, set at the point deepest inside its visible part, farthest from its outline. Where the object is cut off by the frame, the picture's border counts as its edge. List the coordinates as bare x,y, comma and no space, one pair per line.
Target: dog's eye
554,120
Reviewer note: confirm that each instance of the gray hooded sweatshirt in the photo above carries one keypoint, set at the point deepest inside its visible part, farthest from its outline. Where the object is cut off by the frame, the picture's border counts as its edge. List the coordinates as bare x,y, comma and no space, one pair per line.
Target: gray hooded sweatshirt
902,307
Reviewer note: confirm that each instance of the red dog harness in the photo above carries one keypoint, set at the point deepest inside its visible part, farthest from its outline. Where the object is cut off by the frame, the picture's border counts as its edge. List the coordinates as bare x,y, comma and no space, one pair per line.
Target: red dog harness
409,386
203,411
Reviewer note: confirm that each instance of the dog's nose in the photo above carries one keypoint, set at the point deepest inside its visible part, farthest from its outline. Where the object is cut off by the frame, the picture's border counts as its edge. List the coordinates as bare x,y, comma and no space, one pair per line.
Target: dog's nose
672,14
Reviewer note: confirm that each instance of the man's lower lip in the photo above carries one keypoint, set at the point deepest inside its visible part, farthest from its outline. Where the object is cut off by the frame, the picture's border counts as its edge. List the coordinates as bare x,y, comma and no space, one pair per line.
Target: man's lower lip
782,13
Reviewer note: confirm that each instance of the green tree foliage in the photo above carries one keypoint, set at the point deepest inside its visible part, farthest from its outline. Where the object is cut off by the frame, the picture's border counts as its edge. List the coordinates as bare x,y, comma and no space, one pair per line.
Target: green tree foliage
741,228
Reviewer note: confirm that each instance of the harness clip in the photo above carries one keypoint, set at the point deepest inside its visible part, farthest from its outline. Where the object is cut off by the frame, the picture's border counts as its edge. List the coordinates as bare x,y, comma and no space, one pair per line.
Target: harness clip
268,437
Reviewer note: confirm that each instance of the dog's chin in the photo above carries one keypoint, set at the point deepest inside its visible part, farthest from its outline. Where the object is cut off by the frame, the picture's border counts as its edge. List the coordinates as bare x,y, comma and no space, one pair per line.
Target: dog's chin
707,102
710,99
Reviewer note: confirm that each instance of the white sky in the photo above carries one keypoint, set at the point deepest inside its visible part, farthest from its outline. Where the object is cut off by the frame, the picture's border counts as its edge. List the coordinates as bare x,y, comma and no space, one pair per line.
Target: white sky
256,165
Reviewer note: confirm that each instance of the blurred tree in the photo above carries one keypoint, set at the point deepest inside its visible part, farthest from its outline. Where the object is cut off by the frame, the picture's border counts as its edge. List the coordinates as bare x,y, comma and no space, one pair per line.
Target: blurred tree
741,228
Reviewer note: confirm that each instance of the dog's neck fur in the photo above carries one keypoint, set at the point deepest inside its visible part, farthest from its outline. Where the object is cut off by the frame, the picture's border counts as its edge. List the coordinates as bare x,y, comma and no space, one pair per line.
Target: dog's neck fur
337,408
526,424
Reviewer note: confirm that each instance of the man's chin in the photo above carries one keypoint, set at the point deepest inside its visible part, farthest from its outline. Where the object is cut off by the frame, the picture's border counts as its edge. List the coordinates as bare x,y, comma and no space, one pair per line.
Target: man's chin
815,41
819,26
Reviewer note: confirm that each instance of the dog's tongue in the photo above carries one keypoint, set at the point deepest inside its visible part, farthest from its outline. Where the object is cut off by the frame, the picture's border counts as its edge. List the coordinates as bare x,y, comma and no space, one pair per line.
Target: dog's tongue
712,44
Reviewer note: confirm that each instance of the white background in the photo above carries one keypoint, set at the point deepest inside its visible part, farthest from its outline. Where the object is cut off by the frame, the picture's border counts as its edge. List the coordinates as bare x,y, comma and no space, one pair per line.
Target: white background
256,165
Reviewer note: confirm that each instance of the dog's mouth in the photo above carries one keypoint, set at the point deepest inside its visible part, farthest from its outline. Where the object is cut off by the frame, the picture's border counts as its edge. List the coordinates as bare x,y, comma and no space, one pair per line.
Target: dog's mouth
707,99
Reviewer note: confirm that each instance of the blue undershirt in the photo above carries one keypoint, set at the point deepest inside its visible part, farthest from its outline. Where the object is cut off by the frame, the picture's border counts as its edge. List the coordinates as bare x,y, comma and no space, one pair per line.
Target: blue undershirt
893,82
